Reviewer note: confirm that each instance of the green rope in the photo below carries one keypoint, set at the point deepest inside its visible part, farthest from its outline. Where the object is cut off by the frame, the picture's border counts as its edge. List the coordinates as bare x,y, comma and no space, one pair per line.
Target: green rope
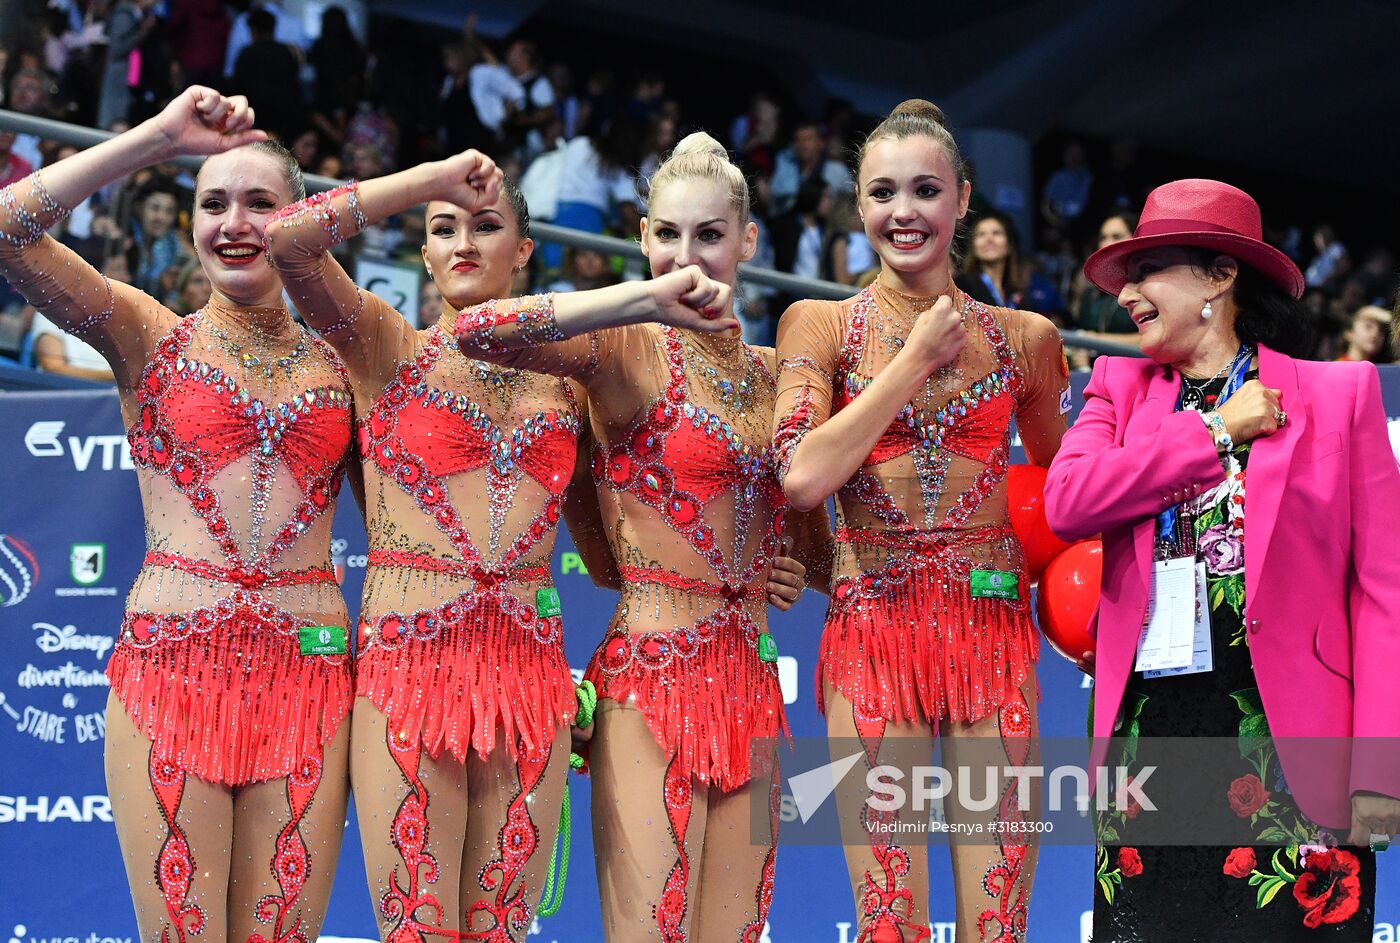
559,857
587,703
558,863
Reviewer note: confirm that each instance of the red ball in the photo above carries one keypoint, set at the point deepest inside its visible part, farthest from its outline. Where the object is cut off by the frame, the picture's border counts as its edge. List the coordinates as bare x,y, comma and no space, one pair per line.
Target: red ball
1069,594
1025,505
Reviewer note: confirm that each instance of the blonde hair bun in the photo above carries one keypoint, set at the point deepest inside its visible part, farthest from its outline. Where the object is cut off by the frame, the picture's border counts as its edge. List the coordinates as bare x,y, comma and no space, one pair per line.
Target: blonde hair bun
699,142
700,157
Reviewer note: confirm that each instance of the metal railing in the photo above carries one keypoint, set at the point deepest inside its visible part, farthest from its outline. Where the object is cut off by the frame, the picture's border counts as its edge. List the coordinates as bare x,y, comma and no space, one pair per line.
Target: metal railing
795,285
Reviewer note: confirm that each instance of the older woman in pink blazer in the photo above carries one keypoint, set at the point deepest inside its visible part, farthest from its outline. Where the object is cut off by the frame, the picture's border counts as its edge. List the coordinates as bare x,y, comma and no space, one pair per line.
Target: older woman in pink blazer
1271,479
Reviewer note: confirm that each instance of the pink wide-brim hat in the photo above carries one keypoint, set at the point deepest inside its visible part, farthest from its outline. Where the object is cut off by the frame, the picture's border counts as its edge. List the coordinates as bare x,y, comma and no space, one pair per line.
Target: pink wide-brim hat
1204,213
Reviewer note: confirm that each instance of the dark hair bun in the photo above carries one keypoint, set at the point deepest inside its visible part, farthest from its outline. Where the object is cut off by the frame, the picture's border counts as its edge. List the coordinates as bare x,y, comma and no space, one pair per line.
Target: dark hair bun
918,108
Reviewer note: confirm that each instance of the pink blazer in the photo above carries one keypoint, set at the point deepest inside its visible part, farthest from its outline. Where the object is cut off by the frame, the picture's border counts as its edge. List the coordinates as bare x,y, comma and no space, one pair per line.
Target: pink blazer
1322,556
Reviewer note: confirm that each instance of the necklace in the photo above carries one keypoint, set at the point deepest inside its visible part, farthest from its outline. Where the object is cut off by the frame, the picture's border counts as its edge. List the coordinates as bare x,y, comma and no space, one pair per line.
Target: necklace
738,396
892,331
1193,391
256,358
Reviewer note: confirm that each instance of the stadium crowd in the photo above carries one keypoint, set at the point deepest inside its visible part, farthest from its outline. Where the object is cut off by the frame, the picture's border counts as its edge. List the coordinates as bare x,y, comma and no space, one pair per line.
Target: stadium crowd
582,146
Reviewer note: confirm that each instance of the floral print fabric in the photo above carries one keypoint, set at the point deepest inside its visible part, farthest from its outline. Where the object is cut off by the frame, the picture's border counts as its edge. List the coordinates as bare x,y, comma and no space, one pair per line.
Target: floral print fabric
1297,886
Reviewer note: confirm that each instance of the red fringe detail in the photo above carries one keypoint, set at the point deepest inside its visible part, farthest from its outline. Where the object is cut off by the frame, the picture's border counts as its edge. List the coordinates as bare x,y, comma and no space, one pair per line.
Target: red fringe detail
235,705
705,710
925,650
485,675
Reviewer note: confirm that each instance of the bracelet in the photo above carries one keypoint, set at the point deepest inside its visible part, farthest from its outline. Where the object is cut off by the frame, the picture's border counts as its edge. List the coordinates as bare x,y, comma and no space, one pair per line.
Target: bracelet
1216,425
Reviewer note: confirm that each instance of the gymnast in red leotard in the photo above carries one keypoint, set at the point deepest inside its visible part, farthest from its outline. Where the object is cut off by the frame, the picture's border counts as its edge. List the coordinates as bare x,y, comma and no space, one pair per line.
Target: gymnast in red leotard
695,518
226,754
899,402
464,696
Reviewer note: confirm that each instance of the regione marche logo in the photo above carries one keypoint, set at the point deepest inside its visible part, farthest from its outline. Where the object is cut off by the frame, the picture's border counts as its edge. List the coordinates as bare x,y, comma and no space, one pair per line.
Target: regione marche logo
87,563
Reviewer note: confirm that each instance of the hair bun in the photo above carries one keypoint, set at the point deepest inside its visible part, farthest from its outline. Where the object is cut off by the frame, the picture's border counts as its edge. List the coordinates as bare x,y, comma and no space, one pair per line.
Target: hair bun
698,142
919,108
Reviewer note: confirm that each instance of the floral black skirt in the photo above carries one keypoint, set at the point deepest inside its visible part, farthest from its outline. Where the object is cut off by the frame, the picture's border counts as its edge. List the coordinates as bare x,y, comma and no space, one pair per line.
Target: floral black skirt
1275,877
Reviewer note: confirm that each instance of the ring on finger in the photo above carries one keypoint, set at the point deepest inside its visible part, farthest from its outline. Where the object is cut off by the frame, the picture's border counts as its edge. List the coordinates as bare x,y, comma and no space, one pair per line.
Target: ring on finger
1379,842
1280,417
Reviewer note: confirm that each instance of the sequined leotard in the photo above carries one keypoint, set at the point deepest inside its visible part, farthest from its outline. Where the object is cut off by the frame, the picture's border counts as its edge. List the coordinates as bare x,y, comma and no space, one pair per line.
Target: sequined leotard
239,473
905,639
466,466
694,515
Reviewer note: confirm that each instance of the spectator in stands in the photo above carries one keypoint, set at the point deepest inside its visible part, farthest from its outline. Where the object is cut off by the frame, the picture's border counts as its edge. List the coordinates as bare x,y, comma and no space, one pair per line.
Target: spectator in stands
1124,185
754,135
152,66
584,269
648,98
30,94
1331,260
596,184
798,236
1366,337
198,33
459,124
12,166
599,104
372,124
531,111
805,160
62,37
286,30
155,242
330,165
567,103
1095,311
65,355
661,137
1068,189
339,62
268,74
192,288
128,24
429,303
504,102
1378,276
847,254
57,351
306,148
995,274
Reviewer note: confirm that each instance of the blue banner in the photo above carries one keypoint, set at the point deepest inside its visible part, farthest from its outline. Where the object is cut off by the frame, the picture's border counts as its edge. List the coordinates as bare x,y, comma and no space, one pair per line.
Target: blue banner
71,541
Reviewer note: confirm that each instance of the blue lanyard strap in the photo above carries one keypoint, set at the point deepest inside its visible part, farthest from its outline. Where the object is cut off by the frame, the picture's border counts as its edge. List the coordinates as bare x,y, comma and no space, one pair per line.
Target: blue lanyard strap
1239,369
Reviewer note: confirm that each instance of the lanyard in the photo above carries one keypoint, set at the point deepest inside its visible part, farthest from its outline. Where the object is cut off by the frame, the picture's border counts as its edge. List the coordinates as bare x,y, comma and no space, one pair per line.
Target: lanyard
1170,519
998,298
